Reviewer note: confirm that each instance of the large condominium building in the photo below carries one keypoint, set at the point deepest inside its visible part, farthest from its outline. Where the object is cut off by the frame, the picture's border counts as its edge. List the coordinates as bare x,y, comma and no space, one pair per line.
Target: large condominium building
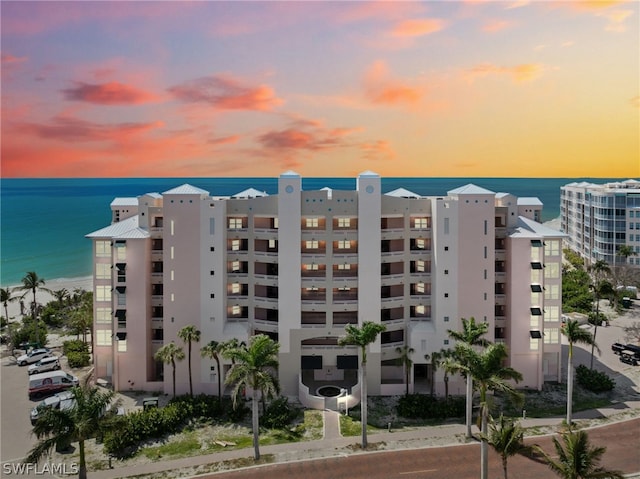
599,218
300,265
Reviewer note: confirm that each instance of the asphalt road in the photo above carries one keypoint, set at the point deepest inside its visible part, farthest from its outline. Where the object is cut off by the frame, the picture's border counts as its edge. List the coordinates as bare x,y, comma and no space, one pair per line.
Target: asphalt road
622,441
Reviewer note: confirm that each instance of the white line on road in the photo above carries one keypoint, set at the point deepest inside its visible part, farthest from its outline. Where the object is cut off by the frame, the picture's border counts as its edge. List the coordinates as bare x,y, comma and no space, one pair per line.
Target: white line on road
418,472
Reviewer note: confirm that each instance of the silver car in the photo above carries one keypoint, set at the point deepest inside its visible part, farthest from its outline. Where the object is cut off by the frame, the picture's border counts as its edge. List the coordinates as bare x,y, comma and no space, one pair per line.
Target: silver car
63,400
50,363
33,356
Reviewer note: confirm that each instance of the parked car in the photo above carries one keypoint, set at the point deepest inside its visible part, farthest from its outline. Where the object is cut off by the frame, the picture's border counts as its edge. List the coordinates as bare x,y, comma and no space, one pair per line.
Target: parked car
33,356
50,363
617,347
47,384
629,357
63,400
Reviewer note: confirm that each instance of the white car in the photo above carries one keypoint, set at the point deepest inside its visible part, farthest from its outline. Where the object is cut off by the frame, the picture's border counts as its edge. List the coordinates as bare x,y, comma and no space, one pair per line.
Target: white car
33,356
50,363
63,400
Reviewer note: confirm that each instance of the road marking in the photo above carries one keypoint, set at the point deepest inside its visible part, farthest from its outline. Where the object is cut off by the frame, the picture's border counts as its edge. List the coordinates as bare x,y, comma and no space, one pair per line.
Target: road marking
418,472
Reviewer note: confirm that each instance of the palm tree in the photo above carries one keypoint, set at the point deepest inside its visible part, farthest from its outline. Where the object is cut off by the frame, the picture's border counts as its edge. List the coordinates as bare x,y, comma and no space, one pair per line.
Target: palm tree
577,458
487,370
213,350
169,354
472,334
434,358
32,283
601,288
507,439
6,297
625,251
362,337
61,295
253,367
449,365
575,335
405,361
189,334
91,408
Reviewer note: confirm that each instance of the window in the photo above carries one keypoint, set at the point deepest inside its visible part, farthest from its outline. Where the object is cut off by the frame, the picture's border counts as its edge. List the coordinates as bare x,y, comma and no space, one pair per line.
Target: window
235,223
421,310
536,265
311,222
552,270
536,288
420,288
103,271
103,337
103,249
235,310
311,267
311,244
552,291
235,245
552,247
103,315
103,293
212,227
273,244
344,266
421,243
421,223
446,319
536,311
235,266
121,251
534,344
122,346
552,335
344,222
486,227
552,313
344,244
235,288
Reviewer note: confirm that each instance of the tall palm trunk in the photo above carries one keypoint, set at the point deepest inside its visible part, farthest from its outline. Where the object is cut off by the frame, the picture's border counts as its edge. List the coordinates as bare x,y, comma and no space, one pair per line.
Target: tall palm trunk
469,404
363,400
255,424
446,387
173,363
570,384
484,445
219,380
190,380
595,329
82,469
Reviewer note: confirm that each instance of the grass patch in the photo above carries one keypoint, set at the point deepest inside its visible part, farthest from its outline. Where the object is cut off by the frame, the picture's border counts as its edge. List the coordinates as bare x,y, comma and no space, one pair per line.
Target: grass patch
351,427
180,448
313,424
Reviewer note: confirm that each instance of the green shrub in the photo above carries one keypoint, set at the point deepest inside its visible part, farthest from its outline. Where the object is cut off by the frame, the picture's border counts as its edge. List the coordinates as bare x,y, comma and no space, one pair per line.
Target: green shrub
78,359
279,414
427,407
74,345
592,380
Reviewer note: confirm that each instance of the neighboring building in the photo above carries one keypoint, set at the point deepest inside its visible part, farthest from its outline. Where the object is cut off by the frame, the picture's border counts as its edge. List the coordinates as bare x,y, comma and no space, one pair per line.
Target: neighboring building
599,218
300,265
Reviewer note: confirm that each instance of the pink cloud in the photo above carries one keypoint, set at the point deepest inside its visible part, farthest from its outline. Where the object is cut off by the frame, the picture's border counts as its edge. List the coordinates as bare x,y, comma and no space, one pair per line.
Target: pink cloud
495,26
112,93
8,59
226,93
68,129
381,89
378,150
310,138
417,27
519,73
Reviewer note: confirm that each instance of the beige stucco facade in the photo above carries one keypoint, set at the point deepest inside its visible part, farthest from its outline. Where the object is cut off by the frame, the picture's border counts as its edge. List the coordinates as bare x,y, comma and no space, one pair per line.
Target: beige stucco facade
300,265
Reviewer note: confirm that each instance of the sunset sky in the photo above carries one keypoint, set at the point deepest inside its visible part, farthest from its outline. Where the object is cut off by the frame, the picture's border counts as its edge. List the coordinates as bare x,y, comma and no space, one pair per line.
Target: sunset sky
213,88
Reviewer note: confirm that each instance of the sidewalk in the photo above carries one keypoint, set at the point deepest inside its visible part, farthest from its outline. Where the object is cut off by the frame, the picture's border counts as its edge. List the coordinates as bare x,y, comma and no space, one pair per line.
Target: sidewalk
333,444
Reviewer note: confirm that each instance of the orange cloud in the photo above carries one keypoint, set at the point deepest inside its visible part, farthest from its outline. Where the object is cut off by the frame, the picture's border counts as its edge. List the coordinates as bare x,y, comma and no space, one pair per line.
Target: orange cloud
495,26
616,19
226,93
8,59
381,89
519,73
378,150
305,136
417,27
112,93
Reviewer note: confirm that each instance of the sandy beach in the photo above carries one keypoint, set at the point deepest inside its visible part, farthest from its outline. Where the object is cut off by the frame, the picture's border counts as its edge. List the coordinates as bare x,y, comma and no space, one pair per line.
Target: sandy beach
43,297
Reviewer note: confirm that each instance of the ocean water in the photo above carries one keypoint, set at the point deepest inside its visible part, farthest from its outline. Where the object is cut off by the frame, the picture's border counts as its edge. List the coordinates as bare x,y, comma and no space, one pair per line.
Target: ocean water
43,221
